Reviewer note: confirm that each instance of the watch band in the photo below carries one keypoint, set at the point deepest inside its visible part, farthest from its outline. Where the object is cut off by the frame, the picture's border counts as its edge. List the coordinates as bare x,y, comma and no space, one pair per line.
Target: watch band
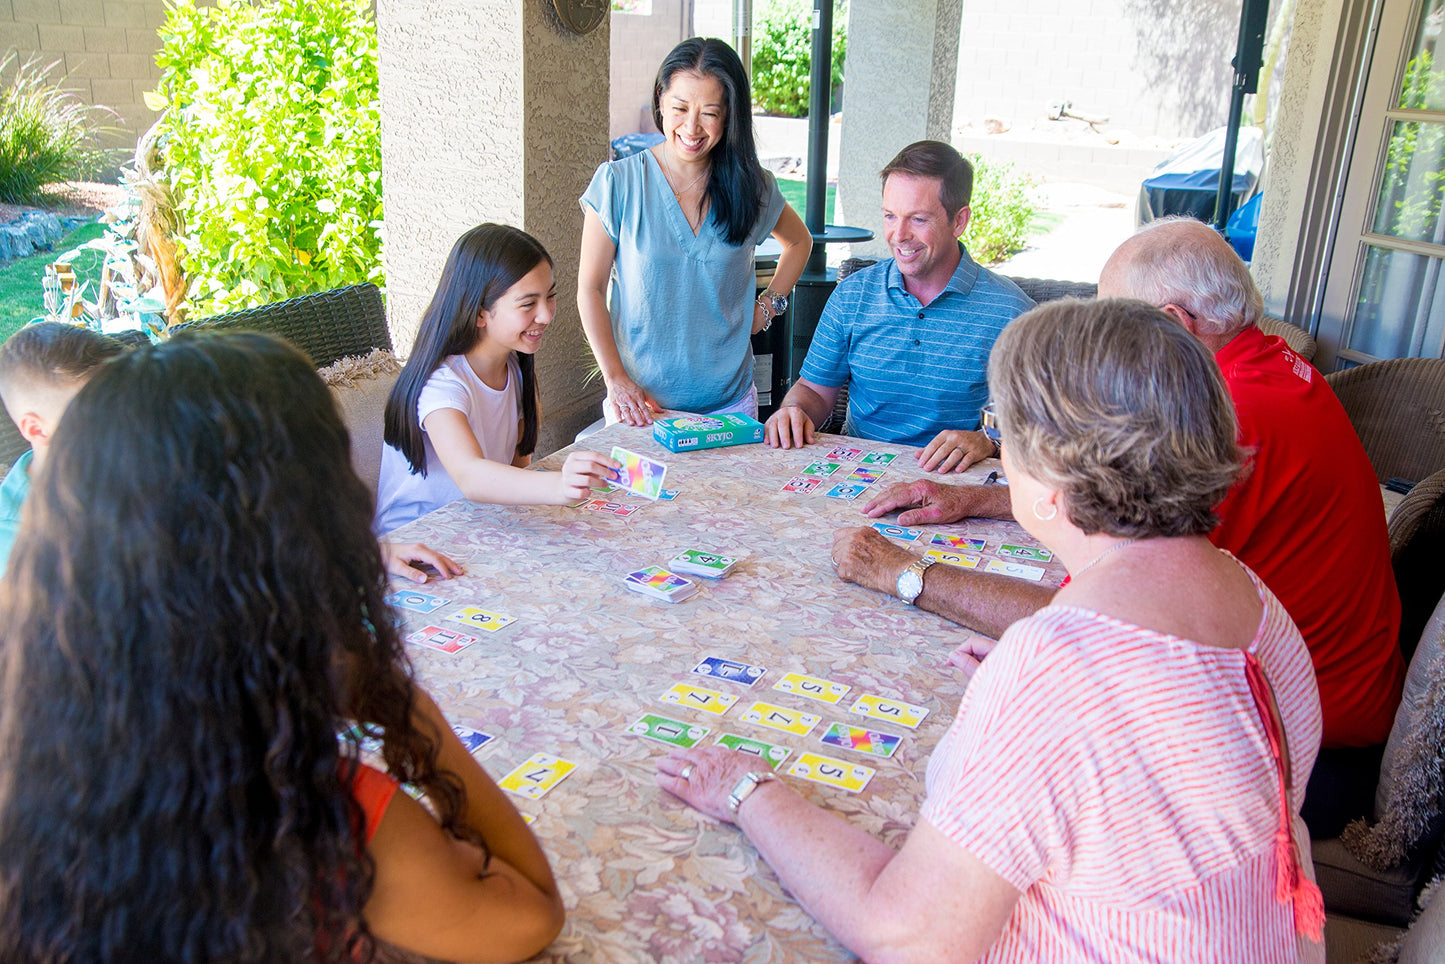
744,789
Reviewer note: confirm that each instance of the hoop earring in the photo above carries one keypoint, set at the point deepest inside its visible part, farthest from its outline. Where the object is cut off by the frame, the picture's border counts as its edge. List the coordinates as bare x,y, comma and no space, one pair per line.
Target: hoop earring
1039,515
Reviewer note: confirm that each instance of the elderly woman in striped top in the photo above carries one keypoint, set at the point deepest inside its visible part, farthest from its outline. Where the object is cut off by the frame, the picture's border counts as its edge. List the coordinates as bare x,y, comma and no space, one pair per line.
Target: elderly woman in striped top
1123,780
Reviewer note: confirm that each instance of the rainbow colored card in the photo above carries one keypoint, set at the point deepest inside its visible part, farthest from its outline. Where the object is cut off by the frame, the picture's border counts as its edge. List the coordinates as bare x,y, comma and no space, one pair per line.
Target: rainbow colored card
639,473
862,741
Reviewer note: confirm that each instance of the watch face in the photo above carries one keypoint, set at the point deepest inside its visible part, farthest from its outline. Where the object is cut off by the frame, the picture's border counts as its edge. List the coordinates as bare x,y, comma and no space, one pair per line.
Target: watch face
910,584
780,305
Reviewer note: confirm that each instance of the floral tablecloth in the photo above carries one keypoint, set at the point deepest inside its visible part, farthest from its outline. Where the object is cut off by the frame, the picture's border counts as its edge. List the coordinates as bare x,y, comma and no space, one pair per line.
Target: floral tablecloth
645,878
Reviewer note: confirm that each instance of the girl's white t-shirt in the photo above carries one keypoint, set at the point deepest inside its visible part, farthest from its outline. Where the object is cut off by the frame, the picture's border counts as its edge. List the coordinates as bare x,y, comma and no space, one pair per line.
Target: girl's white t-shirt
495,418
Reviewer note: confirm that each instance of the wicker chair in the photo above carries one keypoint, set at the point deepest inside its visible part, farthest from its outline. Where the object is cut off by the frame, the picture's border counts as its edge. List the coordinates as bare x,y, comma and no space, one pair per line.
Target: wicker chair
328,325
1299,340
12,443
1417,531
1398,410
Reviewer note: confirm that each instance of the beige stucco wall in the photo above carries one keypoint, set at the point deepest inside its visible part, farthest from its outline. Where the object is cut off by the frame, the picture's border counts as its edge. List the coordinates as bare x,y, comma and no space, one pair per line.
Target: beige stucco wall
491,111
638,45
105,49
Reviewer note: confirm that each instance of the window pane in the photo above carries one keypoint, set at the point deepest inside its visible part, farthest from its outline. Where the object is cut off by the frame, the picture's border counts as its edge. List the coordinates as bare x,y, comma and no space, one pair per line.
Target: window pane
1413,183
1423,86
1401,307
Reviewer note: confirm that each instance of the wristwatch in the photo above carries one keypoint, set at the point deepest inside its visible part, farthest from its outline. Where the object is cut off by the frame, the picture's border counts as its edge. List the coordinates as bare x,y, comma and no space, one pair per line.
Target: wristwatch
750,782
773,304
910,580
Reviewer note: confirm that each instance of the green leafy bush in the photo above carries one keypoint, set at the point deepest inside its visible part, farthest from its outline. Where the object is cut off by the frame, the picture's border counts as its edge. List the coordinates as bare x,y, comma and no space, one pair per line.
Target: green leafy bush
1001,211
273,147
46,133
783,54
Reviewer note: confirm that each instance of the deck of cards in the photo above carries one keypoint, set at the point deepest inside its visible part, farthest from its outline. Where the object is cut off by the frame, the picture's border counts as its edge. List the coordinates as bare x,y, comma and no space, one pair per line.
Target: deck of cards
698,562
658,583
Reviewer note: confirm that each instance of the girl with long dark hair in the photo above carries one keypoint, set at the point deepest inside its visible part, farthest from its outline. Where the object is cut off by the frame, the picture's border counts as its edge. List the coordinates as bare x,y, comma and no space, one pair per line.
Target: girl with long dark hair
193,612
671,231
462,418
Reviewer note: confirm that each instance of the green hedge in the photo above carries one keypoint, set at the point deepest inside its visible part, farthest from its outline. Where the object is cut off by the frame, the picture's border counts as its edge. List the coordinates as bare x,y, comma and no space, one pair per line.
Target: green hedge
1001,211
783,54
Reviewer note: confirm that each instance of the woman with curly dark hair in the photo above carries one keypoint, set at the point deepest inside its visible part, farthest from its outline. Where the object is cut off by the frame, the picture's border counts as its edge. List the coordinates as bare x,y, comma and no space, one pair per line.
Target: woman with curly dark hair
192,615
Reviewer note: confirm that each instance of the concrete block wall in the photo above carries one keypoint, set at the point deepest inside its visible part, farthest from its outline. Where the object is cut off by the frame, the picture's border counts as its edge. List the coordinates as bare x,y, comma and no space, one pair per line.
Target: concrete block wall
105,49
639,42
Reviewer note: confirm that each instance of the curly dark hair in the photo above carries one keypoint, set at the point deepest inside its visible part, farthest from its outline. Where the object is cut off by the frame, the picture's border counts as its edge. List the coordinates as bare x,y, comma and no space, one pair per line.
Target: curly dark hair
194,610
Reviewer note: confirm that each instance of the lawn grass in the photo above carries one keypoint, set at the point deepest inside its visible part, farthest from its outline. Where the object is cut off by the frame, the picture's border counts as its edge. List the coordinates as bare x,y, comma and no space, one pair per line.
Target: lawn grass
796,194
20,294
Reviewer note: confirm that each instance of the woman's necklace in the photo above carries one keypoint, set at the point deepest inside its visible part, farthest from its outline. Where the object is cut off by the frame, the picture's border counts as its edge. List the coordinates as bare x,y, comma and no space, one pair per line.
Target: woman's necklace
1100,557
694,217
671,179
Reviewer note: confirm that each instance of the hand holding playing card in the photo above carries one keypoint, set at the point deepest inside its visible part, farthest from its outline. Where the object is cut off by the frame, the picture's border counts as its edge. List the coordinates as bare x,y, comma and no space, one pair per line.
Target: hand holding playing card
580,473
712,772
863,556
932,503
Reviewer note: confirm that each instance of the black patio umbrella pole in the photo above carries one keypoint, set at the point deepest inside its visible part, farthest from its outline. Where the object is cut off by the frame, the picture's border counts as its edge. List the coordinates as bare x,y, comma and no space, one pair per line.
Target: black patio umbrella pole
1248,58
820,95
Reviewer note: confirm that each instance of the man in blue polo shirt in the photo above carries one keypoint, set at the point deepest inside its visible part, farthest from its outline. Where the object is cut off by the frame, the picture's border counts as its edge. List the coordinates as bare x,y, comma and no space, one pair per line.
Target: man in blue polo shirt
910,336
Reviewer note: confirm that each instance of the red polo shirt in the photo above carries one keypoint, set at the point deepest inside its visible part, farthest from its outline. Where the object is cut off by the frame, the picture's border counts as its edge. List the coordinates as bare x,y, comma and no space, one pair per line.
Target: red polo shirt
1309,520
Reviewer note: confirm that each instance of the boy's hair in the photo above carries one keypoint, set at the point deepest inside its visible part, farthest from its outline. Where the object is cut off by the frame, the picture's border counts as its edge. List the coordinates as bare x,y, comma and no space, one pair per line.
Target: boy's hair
51,353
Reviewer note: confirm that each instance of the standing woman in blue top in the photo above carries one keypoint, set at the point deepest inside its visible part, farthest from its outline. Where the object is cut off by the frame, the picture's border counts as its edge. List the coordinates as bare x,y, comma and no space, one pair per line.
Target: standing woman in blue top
672,230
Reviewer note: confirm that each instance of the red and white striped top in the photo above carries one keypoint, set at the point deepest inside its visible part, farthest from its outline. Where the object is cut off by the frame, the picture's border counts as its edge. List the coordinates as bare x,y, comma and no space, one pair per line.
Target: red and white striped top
1122,780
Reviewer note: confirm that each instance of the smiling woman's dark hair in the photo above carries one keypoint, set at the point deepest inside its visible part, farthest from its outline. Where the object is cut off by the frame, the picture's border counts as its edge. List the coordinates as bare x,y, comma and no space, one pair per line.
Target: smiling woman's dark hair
193,611
483,264
737,184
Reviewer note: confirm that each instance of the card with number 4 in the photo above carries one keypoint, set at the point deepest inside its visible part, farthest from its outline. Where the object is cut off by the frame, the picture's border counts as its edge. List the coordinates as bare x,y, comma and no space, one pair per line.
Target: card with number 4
697,698
831,772
769,753
795,722
418,602
1025,552
537,776
479,618
812,687
672,732
442,640
893,711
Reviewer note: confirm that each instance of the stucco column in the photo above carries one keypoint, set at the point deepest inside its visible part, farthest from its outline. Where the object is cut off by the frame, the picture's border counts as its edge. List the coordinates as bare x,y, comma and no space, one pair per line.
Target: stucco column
899,80
491,111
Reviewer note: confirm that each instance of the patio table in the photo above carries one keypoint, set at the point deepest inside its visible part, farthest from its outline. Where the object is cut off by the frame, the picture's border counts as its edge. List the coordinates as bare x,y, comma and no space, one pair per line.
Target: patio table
643,877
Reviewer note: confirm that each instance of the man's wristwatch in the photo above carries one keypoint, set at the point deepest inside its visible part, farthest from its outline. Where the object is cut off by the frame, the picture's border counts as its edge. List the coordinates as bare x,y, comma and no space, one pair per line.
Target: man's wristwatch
910,580
773,305
750,782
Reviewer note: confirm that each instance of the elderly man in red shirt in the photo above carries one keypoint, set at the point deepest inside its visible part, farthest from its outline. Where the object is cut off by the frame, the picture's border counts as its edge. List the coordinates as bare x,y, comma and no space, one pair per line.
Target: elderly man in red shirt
1306,516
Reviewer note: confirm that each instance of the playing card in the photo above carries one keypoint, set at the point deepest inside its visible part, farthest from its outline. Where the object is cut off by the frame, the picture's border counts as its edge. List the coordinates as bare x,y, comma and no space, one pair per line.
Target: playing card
863,475
878,458
664,730
769,753
367,742
697,698
901,533
952,558
527,818
419,602
846,490
862,741
472,739
639,474
620,509
535,777
1025,552
698,562
730,670
812,687
444,640
844,454
795,722
894,711
1014,569
658,583
667,495
479,618
956,542
800,484
821,468
831,772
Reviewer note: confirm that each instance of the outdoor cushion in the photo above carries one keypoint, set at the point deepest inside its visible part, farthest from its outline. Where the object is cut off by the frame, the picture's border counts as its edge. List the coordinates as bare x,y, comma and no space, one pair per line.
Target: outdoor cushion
361,386
1354,890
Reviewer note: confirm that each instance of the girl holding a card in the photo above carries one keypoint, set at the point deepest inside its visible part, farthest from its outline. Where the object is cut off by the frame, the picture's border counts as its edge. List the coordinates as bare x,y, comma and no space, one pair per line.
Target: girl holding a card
1124,776
671,232
193,613
463,416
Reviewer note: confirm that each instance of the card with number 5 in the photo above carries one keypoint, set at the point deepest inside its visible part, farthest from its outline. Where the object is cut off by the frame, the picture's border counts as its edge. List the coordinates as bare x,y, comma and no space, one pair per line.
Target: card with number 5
812,687
831,772
795,722
537,776
893,711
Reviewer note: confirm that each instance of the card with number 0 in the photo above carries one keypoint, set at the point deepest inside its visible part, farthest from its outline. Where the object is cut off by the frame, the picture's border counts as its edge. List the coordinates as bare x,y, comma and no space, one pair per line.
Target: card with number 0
795,722
831,772
812,687
537,776
893,711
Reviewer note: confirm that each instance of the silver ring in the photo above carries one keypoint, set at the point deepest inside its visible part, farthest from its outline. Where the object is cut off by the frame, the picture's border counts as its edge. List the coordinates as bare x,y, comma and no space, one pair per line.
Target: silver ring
686,772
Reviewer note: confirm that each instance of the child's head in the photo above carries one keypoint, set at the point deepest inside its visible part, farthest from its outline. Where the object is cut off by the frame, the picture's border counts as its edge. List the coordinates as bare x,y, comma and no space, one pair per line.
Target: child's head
42,366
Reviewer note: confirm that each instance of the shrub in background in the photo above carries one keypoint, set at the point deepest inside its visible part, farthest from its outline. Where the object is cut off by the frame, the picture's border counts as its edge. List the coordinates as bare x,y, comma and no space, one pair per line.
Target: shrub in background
1001,211
46,133
272,147
783,54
